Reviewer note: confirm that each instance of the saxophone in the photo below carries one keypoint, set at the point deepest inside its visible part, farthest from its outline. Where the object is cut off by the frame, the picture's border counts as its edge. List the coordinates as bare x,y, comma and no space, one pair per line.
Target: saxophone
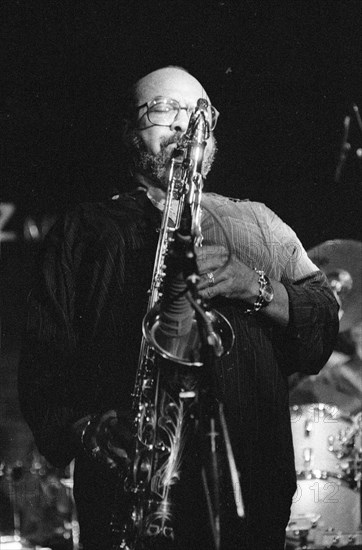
175,329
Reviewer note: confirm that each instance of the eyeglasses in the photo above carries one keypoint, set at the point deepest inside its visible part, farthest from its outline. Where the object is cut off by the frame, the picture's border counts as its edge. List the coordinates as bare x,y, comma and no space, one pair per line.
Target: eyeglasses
163,111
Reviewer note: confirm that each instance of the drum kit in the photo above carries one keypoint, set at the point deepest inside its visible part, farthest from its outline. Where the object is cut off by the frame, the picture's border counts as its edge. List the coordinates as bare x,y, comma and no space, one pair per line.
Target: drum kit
326,510
41,513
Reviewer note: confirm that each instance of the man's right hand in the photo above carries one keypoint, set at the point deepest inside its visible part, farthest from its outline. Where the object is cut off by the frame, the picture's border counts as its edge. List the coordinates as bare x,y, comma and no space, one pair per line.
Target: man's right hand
108,438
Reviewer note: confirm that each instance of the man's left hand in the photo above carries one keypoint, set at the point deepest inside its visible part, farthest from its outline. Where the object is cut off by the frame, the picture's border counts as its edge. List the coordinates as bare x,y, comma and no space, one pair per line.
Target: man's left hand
225,275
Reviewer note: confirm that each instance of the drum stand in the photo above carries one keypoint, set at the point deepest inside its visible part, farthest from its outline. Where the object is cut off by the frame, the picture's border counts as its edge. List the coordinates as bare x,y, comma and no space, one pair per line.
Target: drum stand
15,541
68,484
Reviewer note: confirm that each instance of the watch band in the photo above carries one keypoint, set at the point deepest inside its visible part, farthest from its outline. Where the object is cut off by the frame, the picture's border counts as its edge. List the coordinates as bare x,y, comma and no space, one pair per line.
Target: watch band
260,302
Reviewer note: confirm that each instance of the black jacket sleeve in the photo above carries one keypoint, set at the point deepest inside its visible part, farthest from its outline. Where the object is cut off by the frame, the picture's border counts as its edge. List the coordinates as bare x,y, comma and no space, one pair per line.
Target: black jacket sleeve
48,398
308,341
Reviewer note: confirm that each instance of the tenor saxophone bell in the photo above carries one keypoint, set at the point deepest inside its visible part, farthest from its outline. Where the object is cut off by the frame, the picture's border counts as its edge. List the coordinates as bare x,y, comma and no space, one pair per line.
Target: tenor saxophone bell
186,348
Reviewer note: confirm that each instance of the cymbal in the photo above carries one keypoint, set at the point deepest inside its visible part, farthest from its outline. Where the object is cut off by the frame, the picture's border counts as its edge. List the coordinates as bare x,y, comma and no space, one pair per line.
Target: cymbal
343,255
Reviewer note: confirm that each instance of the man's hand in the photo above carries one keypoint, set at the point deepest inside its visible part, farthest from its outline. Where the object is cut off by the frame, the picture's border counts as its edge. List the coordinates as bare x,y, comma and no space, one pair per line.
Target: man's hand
225,275
108,438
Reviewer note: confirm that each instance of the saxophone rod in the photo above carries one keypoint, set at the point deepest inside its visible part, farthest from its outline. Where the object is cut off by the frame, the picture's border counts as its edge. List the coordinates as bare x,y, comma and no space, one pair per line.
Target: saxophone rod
235,481
214,520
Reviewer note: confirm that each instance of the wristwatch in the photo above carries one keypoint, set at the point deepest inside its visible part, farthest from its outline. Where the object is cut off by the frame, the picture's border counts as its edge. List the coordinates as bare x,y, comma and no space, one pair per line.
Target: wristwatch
266,293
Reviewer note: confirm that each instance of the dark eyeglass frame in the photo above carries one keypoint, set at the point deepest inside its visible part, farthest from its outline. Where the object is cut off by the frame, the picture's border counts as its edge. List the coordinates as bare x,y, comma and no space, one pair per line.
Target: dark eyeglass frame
162,99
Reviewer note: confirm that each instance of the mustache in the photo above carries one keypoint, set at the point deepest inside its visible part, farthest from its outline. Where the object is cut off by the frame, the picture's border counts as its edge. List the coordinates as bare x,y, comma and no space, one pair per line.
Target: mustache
176,138
155,165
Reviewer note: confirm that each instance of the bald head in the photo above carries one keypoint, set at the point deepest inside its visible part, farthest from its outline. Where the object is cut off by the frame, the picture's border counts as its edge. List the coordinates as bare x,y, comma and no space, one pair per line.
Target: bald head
167,82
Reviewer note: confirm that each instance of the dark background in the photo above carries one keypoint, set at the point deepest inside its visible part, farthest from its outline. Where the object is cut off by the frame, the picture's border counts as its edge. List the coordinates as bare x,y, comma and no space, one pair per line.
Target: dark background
283,74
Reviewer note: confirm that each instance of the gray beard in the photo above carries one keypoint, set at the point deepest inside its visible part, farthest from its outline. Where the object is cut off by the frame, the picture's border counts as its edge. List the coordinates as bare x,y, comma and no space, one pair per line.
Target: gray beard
156,167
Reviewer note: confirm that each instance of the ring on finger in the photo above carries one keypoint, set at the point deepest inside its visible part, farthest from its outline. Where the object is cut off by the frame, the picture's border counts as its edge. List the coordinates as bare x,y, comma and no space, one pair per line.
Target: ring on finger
210,278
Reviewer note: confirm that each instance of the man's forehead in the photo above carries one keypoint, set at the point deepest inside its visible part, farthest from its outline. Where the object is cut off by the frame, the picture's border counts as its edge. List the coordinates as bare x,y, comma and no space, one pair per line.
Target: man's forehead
170,82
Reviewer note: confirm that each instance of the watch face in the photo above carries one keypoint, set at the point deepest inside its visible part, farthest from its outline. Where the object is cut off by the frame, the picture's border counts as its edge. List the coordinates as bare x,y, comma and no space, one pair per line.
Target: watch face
268,292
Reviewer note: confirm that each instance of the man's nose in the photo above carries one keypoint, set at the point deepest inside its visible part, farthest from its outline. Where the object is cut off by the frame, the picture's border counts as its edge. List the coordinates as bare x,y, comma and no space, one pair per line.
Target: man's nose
181,122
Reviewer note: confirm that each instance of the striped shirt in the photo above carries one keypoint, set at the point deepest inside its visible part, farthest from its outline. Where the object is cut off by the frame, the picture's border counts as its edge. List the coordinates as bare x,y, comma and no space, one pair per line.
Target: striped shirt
84,330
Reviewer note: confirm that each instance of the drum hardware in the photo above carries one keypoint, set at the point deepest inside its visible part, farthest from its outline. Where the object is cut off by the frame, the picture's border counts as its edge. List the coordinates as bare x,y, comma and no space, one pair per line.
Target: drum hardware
307,428
68,483
41,503
340,260
341,540
17,543
347,149
332,504
303,523
323,440
298,529
307,458
319,539
13,475
325,512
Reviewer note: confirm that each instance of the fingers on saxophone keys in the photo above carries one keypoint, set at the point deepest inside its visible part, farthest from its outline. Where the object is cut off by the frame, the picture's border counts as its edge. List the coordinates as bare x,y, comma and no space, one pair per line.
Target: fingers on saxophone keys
207,292
109,416
110,456
117,454
101,457
209,279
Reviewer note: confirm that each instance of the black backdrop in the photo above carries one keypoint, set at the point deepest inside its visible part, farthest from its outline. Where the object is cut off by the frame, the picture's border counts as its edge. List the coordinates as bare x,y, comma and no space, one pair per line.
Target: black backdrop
284,74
